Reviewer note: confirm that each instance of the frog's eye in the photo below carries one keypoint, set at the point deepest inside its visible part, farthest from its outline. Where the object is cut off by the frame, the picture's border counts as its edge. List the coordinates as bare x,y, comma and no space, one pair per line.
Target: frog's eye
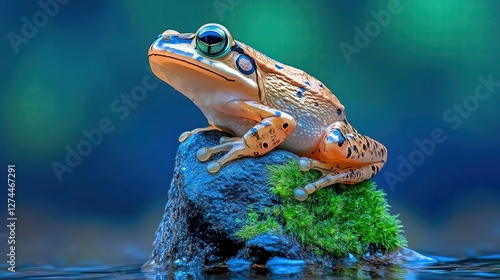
211,40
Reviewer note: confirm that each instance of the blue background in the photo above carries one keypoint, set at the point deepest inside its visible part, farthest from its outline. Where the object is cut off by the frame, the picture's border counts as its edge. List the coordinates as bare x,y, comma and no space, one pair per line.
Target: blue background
396,88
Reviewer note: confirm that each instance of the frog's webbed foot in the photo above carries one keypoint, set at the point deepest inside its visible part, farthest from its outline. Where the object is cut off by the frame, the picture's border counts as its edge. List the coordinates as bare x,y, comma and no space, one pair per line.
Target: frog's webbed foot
332,175
186,134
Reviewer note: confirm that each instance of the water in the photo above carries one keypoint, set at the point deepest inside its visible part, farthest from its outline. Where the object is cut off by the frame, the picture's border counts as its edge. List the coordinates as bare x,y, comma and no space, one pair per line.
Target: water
487,267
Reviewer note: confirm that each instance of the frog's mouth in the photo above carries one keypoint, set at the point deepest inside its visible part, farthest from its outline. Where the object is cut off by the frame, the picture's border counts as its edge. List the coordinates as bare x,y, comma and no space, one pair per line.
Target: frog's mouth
157,65
191,79
193,74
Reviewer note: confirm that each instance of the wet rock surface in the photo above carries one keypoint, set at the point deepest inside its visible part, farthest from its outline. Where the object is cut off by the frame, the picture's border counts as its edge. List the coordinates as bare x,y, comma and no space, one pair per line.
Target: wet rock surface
204,212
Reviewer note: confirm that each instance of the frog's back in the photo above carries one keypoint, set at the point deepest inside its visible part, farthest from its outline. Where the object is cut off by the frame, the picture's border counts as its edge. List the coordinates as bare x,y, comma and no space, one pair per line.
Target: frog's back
280,82
299,94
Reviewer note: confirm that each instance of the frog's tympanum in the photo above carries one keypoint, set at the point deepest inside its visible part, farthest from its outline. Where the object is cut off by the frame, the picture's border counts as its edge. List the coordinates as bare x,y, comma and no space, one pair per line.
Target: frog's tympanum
264,104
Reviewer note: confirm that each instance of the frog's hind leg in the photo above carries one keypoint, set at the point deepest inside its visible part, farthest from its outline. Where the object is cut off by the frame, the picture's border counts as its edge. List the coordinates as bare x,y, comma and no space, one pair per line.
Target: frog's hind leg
345,157
343,144
333,176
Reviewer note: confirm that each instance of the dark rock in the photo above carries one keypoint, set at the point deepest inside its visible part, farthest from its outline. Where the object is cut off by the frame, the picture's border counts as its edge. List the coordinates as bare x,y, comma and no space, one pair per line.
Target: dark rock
265,246
204,211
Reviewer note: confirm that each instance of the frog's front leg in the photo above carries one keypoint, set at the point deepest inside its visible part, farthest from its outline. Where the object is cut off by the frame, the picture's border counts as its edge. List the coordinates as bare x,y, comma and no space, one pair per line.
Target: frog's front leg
186,134
272,127
345,157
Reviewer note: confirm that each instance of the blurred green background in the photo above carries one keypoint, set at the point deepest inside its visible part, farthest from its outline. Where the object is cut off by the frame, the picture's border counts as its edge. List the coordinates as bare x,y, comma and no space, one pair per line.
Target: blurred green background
416,72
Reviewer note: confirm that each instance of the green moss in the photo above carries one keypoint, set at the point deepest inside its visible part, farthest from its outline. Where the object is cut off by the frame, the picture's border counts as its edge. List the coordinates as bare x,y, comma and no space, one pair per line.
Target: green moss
257,223
336,220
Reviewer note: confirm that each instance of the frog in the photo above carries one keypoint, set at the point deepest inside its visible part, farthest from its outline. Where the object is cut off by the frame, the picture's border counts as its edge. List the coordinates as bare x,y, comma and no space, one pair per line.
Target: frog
263,105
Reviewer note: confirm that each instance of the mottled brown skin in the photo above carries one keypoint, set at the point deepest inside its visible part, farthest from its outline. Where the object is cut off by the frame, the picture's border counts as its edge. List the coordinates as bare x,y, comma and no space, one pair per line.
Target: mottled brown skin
265,105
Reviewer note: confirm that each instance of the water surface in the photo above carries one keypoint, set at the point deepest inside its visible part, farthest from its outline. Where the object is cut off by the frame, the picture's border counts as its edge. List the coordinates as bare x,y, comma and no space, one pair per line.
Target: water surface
487,267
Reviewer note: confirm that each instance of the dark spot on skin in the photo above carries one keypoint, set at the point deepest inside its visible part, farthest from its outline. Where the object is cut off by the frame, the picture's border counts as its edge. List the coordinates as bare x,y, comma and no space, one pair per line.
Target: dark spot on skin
340,137
319,151
349,137
312,153
255,153
364,147
316,104
362,154
377,168
285,125
348,152
255,133
320,85
266,145
278,67
237,49
373,167
355,148
338,166
299,94
278,113
339,111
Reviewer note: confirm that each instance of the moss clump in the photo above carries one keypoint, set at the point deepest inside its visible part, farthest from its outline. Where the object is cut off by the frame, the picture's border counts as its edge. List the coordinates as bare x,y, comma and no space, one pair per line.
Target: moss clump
257,223
336,220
